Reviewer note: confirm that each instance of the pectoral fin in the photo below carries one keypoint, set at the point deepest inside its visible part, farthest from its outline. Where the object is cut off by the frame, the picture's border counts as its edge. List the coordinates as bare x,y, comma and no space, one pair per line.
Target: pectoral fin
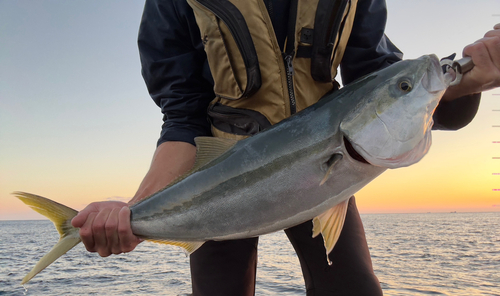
330,224
189,247
330,164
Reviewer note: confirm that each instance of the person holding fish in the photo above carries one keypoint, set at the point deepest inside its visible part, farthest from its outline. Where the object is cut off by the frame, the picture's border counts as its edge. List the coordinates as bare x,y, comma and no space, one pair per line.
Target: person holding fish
247,65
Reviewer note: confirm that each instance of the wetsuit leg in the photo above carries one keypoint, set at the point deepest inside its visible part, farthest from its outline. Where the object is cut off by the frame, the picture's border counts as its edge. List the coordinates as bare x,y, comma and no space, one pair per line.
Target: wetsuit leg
351,272
225,268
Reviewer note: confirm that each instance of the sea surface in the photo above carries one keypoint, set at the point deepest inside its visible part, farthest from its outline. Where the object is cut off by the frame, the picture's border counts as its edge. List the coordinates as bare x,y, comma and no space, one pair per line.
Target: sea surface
413,254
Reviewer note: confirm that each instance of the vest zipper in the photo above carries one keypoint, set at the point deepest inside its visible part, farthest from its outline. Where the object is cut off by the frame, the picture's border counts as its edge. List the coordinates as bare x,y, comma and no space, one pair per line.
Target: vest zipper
290,53
289,82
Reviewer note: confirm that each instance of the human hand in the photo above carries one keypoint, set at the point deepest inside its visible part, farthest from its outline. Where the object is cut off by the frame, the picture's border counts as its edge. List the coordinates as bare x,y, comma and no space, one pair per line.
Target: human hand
105,228
485,75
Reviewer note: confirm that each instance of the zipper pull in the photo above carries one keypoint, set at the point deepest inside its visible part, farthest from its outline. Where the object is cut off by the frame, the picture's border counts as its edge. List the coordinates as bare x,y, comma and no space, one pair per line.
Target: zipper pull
289,65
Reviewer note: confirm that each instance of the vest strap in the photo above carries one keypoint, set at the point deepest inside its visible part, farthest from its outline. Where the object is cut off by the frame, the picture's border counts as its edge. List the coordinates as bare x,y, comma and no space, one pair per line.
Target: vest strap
327,37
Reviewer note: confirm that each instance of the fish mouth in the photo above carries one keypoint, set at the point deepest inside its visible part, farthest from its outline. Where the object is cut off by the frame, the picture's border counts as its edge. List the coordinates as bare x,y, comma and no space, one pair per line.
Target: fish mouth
433,80
352,152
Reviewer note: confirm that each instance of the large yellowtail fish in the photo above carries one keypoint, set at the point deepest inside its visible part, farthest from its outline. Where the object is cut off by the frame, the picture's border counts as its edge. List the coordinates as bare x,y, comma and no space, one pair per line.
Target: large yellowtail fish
305,167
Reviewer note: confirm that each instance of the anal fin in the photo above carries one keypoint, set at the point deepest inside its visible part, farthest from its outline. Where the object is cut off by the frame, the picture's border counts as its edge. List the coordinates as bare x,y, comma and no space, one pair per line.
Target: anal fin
330,225
189,247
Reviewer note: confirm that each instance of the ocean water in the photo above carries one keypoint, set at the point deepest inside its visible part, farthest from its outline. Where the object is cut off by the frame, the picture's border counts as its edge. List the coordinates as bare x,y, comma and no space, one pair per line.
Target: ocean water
413,254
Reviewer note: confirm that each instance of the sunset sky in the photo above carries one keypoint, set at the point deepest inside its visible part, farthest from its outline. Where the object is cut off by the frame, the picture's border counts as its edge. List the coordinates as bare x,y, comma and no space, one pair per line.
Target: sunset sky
77,124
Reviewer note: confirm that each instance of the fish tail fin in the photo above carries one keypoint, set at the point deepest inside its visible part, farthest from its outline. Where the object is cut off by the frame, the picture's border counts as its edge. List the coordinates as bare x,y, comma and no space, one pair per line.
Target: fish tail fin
61,216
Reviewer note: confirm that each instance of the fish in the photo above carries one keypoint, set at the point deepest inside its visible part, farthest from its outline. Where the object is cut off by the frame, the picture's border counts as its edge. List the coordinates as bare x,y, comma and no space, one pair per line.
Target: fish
305,167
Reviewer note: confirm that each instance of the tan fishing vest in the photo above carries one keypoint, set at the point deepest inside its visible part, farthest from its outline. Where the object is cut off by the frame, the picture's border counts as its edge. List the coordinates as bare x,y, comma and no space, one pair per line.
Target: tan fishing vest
256,84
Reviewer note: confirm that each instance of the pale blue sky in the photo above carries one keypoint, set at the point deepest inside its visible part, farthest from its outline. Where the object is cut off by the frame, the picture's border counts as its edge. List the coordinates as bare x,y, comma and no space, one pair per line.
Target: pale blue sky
77,123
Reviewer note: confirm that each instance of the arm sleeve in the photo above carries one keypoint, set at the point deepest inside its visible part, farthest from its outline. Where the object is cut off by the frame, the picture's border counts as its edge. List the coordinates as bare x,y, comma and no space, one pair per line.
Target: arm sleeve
369,49
456,114
175,69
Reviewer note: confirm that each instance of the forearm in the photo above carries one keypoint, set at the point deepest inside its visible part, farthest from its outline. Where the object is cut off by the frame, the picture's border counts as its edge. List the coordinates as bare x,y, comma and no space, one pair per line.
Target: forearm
170,160
460,102
457,113
105,226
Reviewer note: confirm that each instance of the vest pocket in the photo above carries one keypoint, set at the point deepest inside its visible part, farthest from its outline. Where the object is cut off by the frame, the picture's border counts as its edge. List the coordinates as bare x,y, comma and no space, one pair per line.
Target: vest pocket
230,49
243,122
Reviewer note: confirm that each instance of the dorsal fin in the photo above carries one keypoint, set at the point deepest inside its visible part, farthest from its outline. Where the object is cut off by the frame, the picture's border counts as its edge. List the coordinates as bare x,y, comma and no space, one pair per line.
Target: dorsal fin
209,148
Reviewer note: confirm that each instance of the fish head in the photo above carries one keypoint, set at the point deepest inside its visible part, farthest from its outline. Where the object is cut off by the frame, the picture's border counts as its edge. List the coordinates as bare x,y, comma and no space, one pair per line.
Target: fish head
391,125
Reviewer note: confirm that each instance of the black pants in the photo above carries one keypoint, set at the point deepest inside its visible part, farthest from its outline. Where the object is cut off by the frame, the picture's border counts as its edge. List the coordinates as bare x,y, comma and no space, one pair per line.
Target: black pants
229,267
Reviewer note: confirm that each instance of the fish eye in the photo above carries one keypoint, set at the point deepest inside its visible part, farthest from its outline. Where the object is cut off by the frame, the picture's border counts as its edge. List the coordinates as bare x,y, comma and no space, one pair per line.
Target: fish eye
405,85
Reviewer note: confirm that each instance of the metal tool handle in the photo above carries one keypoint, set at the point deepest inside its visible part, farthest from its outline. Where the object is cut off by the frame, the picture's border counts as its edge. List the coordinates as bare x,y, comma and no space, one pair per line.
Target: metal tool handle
463,65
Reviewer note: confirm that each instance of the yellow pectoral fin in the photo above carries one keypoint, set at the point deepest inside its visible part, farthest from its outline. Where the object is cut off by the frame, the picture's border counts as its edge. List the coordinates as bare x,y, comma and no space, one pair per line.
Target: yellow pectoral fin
189,247
330,224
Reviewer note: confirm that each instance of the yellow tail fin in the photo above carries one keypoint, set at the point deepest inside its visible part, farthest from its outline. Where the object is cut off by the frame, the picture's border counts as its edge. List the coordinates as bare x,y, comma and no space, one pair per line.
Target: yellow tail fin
61,216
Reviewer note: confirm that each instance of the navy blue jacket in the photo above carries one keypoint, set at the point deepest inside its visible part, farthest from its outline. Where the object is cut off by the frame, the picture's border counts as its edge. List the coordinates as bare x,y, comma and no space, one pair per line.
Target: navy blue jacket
177,75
